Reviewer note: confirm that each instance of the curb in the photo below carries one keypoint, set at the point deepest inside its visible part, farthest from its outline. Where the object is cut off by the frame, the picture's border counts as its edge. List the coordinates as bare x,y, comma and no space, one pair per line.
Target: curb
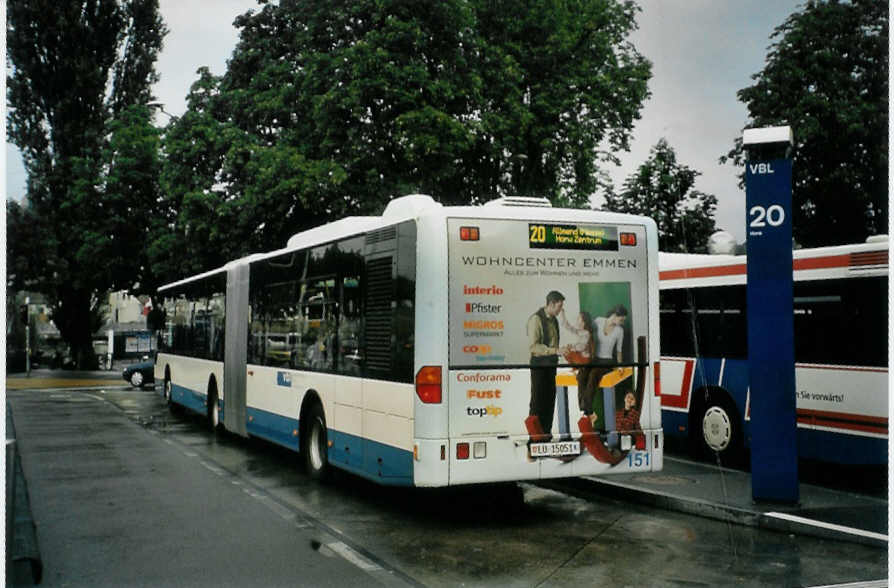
26,565
774,521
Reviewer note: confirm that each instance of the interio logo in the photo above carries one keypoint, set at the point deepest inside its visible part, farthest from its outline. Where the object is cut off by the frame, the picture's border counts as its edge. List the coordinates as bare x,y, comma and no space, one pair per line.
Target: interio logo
482,290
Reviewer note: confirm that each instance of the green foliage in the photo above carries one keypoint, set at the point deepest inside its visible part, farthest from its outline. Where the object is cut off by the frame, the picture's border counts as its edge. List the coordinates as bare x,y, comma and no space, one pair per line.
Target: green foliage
91,157
561,90
827,76
333,108
662,189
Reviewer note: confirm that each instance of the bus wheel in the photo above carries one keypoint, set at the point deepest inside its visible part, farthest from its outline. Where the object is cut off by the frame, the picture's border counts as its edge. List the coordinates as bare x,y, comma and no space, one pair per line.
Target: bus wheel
316,455
169,398
719,429
213,416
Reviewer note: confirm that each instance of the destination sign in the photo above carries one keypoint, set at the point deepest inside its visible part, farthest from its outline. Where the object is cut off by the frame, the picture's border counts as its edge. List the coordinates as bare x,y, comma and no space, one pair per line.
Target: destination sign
588,237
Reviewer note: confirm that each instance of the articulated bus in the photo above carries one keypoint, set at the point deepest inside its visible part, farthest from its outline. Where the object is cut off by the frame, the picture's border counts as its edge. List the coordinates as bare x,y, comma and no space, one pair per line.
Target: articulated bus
432,345
841,352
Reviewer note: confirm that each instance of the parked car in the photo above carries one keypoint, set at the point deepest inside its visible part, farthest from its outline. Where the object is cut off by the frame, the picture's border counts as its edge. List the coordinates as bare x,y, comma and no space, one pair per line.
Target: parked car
140,374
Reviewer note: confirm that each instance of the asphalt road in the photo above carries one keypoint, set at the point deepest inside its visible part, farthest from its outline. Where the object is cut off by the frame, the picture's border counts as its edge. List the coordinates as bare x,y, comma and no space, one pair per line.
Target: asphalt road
124,494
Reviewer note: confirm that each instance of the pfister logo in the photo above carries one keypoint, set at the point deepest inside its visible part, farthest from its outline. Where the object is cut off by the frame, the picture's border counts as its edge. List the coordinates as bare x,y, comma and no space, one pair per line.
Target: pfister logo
482,290
483,307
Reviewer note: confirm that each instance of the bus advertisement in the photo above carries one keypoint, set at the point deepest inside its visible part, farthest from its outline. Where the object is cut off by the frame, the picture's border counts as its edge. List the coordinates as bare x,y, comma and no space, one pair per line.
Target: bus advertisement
507,347
433,345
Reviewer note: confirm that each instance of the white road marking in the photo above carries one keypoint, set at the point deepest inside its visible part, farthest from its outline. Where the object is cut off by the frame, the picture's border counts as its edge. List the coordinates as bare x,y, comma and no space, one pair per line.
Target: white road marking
824,525
353,557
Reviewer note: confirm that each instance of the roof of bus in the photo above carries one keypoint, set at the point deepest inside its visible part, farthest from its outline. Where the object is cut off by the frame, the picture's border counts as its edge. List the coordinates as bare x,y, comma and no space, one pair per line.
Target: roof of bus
672,261
420,205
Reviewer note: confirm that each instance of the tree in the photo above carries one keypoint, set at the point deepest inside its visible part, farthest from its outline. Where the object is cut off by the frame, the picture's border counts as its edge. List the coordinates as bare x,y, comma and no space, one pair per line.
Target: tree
75,68
561,90
334,108
662,189
826,75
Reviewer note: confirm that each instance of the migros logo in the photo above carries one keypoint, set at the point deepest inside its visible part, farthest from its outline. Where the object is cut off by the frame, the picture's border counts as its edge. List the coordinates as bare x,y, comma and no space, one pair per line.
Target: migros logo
484,325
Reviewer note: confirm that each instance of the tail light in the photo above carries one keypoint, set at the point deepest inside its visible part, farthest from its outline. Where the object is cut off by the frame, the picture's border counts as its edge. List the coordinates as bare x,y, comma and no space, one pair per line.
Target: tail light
468,233
428,384
656,370
462,451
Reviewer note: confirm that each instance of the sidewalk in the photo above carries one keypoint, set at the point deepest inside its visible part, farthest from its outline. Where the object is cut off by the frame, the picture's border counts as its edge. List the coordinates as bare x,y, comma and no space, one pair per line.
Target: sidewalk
706,490
46,378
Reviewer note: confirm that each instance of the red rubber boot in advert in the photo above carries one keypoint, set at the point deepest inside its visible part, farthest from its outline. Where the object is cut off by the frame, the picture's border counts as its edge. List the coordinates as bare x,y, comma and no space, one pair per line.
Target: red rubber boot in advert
535,430
593,442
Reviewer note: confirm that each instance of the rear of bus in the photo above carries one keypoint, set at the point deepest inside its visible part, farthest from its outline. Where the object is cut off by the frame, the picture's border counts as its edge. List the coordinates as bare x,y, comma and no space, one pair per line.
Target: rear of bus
503,264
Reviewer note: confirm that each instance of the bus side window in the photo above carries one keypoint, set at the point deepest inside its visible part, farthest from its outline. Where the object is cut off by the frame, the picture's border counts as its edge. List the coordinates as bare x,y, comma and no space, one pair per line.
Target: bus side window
722,327
349,327
837,321
676,324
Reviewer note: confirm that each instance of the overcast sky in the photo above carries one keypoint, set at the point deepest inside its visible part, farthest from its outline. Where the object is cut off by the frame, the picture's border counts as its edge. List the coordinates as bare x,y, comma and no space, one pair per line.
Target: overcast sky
702,52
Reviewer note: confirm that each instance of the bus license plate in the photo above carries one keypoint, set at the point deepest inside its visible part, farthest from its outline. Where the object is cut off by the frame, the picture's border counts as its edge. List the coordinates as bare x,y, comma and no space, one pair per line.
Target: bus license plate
555,449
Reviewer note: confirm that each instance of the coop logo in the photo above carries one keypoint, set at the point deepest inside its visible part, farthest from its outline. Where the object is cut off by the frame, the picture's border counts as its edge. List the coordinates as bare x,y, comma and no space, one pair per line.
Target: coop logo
482,290
483,411
482,349
483,307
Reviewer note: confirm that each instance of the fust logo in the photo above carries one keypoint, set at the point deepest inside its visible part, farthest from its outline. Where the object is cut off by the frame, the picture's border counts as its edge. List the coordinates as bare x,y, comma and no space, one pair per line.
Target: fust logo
483,411
484,394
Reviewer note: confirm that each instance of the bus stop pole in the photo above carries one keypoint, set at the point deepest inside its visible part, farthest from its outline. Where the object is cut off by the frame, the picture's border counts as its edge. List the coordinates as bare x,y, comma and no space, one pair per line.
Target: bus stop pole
771,355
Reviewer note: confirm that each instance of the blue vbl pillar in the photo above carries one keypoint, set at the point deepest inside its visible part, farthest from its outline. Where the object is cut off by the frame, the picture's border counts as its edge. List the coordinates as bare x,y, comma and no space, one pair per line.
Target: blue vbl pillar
771,350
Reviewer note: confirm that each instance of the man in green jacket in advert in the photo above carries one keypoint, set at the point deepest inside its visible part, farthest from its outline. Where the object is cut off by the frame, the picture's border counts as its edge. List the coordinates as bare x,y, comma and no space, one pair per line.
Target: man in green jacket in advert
543,341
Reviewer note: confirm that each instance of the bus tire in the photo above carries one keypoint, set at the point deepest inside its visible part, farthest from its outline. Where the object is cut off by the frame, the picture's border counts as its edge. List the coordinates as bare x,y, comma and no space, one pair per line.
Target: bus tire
169,395
212,417
717,428
315,443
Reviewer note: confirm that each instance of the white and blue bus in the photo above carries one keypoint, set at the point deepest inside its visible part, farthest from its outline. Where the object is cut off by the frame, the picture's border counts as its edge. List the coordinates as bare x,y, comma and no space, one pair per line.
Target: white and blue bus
841,352
399,347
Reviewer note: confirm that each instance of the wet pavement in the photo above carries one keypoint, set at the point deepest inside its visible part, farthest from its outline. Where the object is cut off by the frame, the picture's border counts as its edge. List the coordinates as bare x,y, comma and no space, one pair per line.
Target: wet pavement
577,532
725,494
